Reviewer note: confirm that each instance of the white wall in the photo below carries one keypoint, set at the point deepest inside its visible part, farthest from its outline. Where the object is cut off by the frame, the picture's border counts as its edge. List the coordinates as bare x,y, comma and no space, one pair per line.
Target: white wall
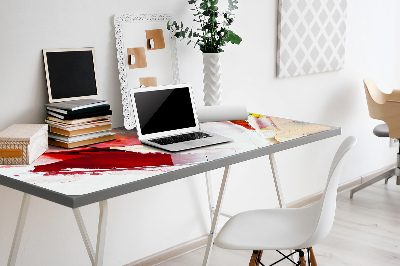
148,221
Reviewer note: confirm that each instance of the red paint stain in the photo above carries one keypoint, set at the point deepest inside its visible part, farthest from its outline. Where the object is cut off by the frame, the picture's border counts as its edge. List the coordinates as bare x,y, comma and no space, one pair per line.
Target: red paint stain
242,123
96,160
65,154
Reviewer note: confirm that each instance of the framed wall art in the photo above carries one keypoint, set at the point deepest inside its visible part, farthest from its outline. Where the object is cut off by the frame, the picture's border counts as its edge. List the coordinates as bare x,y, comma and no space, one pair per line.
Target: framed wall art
146,53
311,36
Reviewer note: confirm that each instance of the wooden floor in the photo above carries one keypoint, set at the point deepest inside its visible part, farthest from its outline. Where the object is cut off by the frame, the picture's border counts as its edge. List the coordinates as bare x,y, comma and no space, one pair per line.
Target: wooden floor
366,232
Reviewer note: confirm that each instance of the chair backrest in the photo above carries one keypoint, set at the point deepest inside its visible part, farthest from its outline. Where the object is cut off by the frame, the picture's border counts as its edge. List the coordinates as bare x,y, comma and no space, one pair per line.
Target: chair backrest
327,203
375,99
382,106
379,96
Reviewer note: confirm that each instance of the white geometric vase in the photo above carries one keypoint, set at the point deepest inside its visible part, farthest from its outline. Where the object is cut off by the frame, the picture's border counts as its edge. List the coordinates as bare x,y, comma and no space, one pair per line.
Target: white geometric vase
212,75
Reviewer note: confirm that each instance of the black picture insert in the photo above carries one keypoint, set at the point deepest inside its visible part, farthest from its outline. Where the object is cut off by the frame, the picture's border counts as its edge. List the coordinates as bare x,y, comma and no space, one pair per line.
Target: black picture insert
164,110
71,74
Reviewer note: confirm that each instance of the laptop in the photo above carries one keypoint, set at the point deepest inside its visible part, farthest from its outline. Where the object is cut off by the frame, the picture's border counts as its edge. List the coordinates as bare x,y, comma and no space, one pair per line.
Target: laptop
166,118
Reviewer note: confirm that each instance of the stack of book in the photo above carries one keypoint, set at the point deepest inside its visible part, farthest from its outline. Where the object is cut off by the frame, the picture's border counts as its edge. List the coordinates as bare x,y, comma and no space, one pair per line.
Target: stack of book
79,123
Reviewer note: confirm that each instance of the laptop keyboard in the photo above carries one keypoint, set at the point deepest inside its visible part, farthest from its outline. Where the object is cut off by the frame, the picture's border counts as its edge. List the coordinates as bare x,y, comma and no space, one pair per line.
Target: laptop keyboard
180,138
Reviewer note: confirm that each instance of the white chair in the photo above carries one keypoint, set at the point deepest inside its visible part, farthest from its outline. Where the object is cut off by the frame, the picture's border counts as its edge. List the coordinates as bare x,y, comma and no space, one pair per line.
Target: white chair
287,229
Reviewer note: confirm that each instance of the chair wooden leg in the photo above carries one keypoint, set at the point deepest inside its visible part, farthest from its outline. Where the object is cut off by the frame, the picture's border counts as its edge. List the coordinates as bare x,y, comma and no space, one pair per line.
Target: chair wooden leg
302,259
313,260
255,258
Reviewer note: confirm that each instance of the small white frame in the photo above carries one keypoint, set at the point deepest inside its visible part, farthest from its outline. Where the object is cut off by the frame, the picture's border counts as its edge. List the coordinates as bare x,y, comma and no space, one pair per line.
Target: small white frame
123,67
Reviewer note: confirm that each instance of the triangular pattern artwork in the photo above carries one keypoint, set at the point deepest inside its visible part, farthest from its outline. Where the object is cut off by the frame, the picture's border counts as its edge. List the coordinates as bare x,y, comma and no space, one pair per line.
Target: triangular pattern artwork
311,36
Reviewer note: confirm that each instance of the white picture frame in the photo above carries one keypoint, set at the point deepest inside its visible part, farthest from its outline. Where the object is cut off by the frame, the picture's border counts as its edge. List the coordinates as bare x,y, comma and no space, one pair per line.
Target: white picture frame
163,64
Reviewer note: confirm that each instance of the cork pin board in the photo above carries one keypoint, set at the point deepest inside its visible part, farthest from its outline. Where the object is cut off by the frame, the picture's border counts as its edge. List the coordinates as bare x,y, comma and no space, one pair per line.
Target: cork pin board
148,82
155,39
134,31
136,57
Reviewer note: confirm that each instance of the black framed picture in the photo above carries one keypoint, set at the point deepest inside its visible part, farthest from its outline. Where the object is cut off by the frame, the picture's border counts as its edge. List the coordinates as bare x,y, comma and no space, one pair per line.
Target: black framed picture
70,74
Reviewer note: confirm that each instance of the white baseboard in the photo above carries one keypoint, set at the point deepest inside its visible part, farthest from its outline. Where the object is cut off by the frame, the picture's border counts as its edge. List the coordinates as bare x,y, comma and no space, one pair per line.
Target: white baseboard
342,187
200,242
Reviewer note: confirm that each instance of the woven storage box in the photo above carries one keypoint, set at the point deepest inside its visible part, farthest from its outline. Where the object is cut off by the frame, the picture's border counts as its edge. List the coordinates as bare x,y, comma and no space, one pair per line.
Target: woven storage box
23,143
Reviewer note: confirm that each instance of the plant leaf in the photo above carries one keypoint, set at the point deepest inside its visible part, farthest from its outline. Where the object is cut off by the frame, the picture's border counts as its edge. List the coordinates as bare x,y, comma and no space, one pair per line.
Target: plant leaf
233,37
204,5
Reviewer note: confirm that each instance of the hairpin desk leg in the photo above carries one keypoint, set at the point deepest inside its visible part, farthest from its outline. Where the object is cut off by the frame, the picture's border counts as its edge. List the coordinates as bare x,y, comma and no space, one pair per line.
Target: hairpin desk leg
277,182
19,230
215,217
210,194
95,258
101,233
278,187
85,236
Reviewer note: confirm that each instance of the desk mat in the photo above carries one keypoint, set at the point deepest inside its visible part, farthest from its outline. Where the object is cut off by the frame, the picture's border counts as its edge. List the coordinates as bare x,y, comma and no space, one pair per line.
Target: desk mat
100,166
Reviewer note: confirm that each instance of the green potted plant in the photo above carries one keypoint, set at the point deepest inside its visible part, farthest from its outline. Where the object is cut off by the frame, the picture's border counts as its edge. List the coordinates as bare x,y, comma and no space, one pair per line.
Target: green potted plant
212,35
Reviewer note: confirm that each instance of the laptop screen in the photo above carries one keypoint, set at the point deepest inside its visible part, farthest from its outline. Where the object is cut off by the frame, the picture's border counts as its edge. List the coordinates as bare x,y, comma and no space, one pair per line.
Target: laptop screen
164,110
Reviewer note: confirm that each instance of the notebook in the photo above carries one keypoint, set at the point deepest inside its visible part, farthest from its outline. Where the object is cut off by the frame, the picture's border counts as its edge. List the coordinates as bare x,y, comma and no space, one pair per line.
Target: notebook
166,118
77,106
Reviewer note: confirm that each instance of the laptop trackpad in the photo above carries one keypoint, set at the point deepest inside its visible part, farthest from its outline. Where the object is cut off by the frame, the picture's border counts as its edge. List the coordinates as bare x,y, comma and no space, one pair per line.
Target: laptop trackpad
197,143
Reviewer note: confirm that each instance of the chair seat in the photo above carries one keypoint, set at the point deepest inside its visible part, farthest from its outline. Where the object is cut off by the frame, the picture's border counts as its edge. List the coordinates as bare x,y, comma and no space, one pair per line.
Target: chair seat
285,229
269,229
381,130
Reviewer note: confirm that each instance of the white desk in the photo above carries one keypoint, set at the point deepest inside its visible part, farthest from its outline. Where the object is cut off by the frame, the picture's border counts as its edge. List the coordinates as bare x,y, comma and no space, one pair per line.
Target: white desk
82,176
